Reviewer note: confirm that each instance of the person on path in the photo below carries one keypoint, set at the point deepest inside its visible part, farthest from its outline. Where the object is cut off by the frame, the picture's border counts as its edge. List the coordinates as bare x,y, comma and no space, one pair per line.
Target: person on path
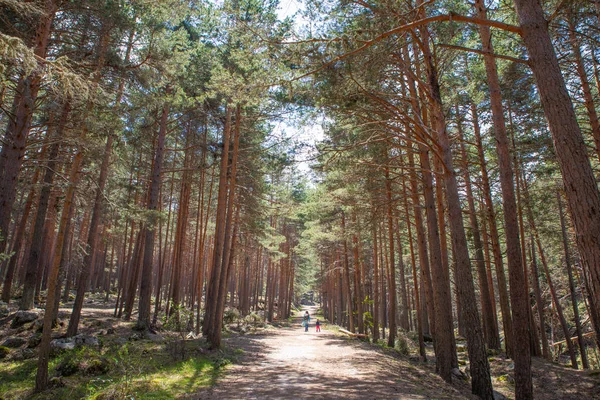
318,325
306,321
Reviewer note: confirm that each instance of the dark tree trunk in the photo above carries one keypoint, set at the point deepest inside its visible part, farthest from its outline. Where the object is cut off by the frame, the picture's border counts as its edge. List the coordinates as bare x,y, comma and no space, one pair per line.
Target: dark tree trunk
143,322
580,185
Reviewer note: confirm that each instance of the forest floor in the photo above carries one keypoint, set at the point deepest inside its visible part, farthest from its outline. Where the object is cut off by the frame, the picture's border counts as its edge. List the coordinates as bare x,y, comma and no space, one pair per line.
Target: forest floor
290,364
278,361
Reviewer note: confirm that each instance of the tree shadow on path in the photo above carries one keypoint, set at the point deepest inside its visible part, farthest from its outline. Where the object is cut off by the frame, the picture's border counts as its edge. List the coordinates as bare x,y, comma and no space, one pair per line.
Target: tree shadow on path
289,363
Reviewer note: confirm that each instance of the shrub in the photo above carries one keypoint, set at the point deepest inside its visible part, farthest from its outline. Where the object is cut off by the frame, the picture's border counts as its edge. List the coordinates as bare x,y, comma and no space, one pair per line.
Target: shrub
231,315
177,321
402,346
68,366
95,366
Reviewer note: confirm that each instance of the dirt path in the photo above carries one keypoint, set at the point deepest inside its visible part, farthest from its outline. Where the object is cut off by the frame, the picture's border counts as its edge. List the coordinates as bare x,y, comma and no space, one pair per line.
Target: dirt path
289,364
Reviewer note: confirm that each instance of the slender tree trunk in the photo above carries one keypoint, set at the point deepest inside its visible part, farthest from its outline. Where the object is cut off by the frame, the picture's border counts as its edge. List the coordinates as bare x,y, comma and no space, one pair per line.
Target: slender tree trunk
417,301
539,303
392,264
347,285
442,300
489,323
518,285
41,381
481,384
182,224
143,322
35,248
493,231
588,97
219,237
17,129
555,299
358,284
19,236
404,303
563,226
375,286
231,229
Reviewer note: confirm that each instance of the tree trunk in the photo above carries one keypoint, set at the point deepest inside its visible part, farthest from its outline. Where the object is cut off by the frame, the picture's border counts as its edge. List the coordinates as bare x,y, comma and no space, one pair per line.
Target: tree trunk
375,285
41,381
347,285
493,231
563,226
539,303
518,292
489,323
578,178
588,97
481,384
17,129
442,300
417,301
231,229
210,307
392,264
143,322
35,248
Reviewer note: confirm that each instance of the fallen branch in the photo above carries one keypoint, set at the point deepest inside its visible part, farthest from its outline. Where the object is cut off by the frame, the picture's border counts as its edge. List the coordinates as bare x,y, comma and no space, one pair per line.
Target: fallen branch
574,338
352,334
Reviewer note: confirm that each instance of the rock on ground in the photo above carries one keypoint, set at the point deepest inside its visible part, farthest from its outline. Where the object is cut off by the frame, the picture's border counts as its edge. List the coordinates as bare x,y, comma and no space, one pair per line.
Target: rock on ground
23,317
14,342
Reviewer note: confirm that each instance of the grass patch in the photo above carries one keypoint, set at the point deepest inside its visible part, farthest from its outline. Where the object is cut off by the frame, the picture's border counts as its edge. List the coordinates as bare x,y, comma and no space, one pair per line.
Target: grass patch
140,370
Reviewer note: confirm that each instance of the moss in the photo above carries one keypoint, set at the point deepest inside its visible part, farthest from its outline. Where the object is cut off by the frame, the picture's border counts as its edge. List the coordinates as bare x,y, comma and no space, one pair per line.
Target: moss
140,370
95,366
67,367
4,351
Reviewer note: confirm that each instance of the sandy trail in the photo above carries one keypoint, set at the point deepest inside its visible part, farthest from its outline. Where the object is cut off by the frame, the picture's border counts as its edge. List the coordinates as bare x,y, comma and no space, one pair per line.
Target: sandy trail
289,364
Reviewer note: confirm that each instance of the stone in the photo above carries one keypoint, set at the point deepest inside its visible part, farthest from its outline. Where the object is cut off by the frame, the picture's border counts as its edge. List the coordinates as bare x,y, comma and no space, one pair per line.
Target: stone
23,317
499,396
4,311
56,382
63,315
14,342
38,326
135,336
27,354
458,374
190,335
154,337
86,340
60,345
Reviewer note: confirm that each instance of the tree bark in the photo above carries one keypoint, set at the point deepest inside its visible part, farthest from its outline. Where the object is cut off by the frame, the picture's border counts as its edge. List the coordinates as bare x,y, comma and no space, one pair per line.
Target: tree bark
518,284
489,322
563,227
143,322
495,240
17,129
578,177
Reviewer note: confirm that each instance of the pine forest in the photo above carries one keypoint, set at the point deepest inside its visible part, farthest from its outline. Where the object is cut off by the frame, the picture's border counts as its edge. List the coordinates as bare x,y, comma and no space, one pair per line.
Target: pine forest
264,199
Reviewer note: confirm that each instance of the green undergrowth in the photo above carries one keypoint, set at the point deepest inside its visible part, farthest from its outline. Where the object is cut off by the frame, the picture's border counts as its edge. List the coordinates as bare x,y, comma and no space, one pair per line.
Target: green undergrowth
136,370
